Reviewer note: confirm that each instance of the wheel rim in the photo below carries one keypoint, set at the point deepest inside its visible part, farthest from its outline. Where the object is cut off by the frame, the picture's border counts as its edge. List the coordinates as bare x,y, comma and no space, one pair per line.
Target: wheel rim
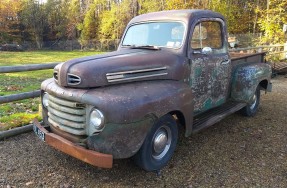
161,142
254,101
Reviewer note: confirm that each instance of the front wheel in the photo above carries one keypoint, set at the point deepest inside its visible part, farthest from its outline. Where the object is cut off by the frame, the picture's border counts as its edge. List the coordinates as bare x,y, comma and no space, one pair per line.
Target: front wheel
159,144
252,108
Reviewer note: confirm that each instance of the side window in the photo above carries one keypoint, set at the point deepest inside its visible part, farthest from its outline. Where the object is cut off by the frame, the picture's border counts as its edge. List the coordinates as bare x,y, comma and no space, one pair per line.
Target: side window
207,34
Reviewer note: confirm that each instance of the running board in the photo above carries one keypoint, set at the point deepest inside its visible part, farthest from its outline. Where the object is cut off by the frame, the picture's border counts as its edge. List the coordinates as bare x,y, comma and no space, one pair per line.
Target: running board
215,115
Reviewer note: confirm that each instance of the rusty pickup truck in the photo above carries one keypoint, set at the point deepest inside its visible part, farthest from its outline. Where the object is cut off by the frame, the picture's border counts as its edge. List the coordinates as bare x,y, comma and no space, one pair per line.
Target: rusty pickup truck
172,71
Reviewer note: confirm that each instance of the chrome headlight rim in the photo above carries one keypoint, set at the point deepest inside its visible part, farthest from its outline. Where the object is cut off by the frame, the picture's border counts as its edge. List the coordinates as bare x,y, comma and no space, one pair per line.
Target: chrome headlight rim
97,119
45,99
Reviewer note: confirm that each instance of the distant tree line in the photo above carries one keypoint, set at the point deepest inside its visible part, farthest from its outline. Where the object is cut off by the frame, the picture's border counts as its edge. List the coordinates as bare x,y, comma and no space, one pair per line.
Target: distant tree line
96,20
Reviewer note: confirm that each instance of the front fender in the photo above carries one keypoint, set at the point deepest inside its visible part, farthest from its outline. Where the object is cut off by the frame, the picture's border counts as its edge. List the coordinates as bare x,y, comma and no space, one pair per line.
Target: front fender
131,110
127,103
246,78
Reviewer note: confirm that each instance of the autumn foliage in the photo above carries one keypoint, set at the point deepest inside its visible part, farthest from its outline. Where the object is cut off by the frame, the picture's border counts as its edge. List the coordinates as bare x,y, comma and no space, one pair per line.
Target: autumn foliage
84,20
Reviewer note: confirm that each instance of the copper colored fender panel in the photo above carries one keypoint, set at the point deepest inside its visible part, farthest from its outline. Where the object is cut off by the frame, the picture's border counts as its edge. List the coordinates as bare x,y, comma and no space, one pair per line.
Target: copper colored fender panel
92,157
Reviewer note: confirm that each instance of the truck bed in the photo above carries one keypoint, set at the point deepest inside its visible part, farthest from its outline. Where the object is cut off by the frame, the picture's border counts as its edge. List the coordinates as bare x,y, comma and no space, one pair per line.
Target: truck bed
247,57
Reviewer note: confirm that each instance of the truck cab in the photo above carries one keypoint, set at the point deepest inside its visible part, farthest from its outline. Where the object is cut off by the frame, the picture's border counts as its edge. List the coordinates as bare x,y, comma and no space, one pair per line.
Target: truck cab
172,69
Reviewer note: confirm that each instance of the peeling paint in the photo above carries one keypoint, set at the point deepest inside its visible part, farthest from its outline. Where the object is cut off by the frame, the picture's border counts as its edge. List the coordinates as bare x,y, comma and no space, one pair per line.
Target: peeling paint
209,80
246,78
189,86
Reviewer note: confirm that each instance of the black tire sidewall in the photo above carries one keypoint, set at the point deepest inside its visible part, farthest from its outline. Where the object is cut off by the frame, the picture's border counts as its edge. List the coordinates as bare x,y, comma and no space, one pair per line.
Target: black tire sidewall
251,112
144,156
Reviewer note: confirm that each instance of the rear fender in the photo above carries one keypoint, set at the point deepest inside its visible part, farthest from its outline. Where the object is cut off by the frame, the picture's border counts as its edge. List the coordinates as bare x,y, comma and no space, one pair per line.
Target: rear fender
246,78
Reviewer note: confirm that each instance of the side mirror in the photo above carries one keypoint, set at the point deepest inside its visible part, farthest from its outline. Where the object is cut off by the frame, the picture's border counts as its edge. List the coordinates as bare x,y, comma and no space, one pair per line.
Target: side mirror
206,50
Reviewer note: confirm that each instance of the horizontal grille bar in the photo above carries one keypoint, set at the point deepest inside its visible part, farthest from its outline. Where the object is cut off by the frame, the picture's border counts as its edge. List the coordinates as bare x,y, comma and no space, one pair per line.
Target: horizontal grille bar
67,115
66,122
67,109
71,117
67,129
66,102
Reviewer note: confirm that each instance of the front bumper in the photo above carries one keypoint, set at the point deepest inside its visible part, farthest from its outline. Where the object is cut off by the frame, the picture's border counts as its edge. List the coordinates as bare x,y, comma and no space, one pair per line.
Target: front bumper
89,156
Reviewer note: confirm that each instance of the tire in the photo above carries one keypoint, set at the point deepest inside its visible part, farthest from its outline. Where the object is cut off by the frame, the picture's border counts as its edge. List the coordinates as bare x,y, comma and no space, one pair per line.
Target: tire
159,145
251,109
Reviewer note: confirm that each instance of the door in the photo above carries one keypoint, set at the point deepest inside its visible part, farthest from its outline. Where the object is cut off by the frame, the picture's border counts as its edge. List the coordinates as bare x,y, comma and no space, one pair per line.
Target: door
210,64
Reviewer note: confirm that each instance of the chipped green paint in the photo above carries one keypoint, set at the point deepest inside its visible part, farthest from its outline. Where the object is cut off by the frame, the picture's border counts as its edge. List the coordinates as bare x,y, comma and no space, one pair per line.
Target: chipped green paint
138,86
220,102
197,71
246,79
210,80
214,73
207,104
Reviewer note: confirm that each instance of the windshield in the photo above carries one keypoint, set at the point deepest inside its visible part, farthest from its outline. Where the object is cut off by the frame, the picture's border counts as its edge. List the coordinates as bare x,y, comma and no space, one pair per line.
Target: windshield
160,34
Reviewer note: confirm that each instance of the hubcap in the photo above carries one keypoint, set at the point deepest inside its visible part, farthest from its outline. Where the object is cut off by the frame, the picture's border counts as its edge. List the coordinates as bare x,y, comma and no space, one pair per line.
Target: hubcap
161,142
254,99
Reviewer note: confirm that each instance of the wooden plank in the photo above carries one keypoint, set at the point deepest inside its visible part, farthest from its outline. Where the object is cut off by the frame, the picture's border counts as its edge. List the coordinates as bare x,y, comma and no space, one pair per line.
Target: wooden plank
30,67
252,48
20,96
280,66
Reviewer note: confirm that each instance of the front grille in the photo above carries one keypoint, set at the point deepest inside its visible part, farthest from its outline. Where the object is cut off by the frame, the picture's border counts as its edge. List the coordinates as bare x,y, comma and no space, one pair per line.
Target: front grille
67,115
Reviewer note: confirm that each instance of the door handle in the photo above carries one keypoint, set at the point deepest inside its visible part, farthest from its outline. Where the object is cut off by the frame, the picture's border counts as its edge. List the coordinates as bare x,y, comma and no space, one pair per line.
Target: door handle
225,62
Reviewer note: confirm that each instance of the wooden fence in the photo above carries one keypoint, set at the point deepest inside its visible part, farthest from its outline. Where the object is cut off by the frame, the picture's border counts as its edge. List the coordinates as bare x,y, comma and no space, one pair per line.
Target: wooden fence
272,50
24,68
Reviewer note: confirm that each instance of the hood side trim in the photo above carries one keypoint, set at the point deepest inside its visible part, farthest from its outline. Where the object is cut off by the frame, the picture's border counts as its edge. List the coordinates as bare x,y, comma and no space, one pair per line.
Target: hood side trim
136,74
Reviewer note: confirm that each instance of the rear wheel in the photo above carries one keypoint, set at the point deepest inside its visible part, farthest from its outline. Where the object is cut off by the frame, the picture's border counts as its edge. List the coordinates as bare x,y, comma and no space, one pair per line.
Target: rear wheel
252,108
159,145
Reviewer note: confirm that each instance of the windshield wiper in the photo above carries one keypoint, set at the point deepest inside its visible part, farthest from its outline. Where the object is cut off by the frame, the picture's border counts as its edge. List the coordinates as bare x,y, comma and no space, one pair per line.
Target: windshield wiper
149,47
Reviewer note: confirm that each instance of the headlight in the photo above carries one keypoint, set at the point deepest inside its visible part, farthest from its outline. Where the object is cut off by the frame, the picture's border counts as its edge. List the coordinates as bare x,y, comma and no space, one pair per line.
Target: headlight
45,100
97,119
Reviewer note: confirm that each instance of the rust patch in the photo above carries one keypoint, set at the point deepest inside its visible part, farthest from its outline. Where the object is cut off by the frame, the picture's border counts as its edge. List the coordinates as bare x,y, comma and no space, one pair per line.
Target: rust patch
92,157
246,78
210,81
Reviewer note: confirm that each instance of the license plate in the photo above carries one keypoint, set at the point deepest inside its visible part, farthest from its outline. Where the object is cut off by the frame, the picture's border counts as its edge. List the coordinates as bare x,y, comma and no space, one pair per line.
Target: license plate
39,133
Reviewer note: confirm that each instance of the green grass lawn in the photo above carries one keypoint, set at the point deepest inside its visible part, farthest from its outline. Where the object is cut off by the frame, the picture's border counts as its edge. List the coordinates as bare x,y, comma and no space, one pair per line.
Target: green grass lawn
20,113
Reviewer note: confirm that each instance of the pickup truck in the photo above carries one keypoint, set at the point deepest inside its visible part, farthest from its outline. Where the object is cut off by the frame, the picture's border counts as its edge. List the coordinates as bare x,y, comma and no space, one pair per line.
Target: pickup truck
172,71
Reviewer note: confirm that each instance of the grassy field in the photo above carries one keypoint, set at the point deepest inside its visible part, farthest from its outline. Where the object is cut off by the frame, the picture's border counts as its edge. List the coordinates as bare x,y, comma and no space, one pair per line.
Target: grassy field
22,112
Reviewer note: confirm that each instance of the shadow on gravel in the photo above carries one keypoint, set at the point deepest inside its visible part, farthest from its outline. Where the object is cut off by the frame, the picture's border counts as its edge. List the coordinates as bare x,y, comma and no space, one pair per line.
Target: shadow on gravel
236,152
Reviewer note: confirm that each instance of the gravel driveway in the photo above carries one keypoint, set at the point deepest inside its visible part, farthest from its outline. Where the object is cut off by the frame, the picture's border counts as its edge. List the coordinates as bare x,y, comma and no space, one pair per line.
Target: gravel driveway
236,152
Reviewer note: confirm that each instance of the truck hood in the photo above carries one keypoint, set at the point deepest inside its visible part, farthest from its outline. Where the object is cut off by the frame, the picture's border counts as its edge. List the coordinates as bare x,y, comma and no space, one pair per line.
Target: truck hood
122,66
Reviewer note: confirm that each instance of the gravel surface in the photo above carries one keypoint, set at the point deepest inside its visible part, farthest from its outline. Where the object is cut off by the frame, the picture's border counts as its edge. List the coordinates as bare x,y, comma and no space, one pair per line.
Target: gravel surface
236,152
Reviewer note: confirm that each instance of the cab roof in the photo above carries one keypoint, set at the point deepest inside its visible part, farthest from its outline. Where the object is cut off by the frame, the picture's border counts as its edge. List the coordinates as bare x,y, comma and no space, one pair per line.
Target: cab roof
178,15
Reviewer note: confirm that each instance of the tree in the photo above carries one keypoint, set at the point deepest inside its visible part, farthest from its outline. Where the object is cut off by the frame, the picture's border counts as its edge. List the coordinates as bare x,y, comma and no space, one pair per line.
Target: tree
178,4
74,18
89,28
10,30
34,17
151,6
271,21
57,20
